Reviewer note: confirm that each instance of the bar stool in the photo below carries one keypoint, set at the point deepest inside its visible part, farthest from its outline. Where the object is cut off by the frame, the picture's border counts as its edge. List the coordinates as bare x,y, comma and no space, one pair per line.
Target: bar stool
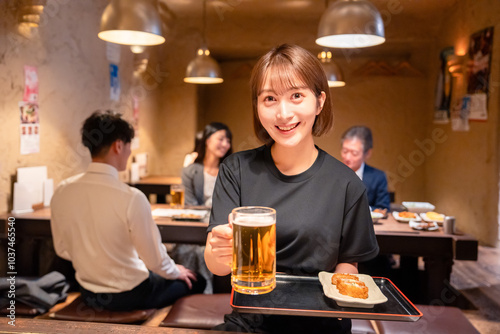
79,311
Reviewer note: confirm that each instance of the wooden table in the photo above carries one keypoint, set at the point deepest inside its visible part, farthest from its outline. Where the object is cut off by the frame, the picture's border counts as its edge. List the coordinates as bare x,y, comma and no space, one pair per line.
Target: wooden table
437,249
156,184
24,325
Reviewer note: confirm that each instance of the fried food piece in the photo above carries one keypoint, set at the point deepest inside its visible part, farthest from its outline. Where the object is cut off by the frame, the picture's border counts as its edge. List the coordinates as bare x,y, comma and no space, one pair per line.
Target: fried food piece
406,214
339,276
353,288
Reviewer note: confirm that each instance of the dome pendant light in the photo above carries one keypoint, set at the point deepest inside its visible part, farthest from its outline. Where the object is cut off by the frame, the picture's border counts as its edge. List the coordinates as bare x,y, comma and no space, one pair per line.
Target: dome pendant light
131,22
333,72
351,24
203,69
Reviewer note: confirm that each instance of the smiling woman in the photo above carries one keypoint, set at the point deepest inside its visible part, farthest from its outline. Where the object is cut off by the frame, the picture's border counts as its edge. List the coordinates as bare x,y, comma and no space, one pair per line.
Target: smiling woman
319,201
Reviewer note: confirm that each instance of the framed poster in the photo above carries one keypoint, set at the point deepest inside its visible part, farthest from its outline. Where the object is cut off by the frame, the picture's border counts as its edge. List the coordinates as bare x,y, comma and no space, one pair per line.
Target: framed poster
479,63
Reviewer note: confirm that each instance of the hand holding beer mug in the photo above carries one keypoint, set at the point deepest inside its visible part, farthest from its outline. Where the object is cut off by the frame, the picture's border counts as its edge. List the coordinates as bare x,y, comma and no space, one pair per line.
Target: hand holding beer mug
177,195
253,270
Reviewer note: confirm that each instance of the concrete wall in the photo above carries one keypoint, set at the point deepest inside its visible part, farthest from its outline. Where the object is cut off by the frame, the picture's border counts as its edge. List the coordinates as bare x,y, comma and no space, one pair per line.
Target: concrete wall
73,73
462,174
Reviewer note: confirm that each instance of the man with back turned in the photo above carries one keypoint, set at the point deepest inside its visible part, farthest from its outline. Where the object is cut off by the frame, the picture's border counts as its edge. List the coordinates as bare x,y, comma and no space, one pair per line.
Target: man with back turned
105,228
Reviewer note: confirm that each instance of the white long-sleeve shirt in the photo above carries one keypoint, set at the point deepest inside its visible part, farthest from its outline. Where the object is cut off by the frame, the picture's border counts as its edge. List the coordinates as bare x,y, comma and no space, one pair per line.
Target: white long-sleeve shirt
105,228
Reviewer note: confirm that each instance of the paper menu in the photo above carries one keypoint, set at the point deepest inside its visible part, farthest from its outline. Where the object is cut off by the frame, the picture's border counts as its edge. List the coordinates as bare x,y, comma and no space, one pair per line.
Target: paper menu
142,160
32,187
34,178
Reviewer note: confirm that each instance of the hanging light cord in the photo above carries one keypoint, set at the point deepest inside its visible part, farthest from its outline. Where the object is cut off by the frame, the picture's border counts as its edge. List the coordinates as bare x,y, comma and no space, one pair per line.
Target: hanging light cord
204,22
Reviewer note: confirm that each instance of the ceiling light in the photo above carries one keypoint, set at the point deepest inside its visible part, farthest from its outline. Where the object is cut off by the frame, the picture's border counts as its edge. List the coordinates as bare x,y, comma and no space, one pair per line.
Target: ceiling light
137,48
131,22
351,24
333,72
203,69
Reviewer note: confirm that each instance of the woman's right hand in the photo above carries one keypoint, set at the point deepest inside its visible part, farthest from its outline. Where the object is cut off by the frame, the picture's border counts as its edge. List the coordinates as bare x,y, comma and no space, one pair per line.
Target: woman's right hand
221,242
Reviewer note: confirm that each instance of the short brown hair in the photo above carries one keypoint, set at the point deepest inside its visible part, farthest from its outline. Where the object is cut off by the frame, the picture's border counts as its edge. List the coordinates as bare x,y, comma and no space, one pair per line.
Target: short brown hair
285,64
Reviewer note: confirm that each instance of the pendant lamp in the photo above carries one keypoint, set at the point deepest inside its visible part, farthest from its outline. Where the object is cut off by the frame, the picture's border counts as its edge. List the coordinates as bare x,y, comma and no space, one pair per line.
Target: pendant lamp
333,72
131,22
351,24
203,69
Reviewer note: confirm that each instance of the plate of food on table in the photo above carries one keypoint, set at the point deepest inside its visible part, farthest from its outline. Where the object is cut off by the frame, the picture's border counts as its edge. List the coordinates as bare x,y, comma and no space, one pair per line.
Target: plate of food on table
432,216
406,216
423,225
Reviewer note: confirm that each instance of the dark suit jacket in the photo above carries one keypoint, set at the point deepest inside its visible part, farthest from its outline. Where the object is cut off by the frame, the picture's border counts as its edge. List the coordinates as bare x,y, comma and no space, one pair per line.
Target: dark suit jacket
193,181
376,186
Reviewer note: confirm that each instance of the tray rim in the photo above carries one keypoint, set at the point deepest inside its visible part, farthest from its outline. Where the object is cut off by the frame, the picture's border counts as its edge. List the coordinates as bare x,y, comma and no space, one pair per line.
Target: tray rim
330,313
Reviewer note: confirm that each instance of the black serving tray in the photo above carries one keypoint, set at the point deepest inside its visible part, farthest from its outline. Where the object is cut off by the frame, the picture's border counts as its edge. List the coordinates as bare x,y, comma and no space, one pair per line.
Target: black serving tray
303,296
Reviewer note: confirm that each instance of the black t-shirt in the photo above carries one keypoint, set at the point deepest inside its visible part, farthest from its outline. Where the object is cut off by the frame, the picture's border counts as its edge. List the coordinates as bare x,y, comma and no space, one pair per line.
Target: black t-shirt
322,214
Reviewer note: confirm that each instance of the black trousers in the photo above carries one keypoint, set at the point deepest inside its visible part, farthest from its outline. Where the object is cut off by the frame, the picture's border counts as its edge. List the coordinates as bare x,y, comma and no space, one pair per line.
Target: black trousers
264,323
154,292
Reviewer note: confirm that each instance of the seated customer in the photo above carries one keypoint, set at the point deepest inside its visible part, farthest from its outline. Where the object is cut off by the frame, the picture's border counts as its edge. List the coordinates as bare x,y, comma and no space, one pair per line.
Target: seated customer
199,181
105,228
199,178
357,146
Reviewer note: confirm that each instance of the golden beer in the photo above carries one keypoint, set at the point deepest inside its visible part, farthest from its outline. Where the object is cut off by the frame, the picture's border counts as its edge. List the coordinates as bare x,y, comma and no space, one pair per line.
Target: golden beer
254,251
177,195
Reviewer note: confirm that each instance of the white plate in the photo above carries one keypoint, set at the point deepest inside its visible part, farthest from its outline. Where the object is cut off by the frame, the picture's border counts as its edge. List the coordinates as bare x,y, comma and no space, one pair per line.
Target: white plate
375,296
376,216
427,219
396,216
423,226
419,207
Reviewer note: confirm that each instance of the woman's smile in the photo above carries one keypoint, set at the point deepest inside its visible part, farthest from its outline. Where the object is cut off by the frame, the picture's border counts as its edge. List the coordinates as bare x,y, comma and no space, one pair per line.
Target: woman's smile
287,128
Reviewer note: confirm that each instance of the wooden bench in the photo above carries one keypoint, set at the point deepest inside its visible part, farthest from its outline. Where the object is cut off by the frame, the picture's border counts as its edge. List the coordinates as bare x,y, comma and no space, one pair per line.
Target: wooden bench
74,309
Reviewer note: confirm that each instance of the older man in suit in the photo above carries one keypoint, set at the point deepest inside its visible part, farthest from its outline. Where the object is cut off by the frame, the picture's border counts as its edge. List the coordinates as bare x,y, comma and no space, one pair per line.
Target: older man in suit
357,146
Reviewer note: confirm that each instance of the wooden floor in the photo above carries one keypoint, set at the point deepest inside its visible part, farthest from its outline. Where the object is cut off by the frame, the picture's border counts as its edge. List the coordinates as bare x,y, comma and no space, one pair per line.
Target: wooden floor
479,282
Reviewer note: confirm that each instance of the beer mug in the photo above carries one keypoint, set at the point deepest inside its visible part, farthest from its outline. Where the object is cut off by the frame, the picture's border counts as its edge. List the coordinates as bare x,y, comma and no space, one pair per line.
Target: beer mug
253,270
177,195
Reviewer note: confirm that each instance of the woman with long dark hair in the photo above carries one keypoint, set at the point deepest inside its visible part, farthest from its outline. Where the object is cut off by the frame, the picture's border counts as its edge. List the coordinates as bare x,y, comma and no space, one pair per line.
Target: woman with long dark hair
199,181
199,178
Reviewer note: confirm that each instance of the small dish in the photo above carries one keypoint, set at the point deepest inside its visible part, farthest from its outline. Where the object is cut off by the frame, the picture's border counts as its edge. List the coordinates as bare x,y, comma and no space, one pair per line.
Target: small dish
376,216
375,296
419,207
423,226
431,216
401,218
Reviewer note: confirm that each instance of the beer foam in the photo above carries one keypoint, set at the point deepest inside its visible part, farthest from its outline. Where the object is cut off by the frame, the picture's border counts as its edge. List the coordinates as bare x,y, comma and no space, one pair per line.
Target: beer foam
254,221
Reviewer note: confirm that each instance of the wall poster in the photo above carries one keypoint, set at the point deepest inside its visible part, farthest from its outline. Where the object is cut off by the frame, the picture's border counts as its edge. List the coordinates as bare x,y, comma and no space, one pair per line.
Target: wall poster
480,49
29,113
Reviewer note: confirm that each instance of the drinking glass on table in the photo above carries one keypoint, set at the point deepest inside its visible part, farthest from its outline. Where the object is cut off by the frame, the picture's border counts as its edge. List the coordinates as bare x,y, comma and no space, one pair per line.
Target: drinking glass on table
253,270
177,195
